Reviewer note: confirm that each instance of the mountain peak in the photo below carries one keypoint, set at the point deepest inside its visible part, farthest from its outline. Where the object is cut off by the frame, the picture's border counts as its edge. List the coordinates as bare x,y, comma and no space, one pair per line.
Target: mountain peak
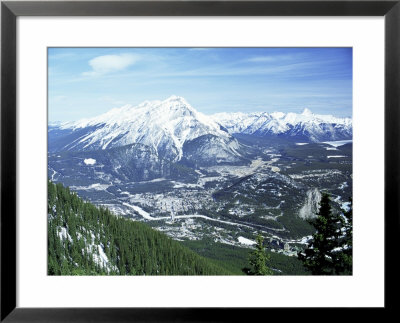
175,98
306,112
163,125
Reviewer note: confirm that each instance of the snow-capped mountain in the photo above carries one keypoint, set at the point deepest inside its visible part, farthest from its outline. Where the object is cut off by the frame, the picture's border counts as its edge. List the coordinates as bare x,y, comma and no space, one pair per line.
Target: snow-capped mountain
175,131
165,126
304,126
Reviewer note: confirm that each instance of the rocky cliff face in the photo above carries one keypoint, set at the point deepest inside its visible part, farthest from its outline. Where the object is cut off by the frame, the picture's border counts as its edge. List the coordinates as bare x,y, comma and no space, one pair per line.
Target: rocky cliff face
311,204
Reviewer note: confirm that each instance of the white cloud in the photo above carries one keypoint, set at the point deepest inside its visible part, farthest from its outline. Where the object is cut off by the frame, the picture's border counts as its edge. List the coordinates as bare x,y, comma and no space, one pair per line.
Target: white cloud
273,58
262,59
110,63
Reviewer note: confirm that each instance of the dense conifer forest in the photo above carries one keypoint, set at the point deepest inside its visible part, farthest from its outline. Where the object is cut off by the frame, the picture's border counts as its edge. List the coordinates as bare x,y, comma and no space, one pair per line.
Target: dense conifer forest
86,240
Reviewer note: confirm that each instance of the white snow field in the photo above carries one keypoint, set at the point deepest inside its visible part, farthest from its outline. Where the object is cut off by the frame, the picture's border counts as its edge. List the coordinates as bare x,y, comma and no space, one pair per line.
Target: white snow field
89,161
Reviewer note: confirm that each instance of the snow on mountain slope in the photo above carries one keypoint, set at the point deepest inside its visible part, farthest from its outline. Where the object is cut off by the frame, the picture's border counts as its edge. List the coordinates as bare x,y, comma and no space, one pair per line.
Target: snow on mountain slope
163,125
172,126
307,125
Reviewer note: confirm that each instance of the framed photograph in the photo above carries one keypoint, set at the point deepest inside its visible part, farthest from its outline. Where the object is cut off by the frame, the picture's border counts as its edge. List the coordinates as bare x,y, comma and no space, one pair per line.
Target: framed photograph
194,159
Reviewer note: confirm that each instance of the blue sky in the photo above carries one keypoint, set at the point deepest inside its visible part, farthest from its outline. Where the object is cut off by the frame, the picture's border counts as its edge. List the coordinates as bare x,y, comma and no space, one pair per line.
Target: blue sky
85,82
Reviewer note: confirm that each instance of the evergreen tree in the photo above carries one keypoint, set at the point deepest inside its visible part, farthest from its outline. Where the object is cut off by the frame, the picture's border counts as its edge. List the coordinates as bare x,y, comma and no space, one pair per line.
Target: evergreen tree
259,259
321,255
78,231
345,255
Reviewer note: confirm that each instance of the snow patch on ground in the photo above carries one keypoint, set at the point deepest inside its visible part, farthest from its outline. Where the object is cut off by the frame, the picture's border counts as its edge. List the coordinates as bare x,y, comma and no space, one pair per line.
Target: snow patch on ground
203,180
95,187
337,156
90,161
98,254
139,210
303,240
245,241
63,234
337,143
185,185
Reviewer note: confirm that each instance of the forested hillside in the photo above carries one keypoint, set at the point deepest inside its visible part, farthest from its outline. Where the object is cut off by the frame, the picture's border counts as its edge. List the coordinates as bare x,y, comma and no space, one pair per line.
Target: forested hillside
86,240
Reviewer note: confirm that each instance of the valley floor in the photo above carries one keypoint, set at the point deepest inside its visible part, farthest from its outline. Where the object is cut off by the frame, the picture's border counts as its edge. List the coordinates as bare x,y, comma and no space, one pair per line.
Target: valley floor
229,204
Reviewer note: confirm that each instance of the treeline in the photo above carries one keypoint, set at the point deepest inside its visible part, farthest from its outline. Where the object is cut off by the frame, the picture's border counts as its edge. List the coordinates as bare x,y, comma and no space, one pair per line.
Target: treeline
236,258
86,240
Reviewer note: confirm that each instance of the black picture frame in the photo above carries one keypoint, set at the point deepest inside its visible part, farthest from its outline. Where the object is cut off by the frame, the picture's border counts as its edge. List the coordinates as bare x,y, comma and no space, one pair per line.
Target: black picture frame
10,10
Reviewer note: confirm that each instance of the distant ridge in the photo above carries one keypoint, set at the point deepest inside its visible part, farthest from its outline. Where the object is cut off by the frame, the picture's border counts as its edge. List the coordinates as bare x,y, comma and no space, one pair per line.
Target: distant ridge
304,126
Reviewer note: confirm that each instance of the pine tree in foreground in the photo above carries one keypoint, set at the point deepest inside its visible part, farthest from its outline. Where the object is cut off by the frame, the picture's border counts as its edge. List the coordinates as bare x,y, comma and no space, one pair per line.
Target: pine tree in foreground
326,252
259,259
344,264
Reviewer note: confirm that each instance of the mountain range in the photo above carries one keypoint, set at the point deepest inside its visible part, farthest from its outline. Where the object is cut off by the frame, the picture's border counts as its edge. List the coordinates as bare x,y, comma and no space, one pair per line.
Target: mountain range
305,126
221,176
175,131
